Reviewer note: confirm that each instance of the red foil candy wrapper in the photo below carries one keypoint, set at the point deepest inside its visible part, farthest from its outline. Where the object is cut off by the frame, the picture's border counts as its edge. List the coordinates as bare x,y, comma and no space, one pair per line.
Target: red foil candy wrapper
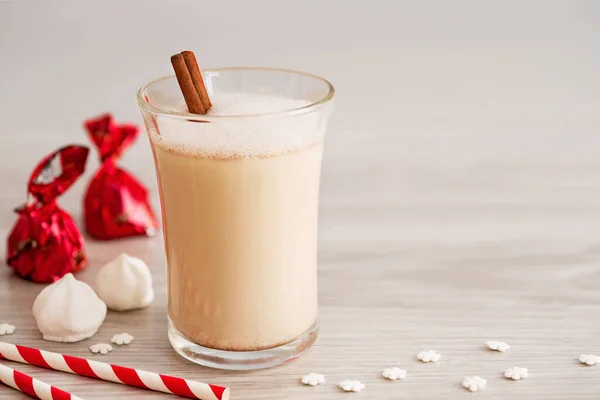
45,243
116,204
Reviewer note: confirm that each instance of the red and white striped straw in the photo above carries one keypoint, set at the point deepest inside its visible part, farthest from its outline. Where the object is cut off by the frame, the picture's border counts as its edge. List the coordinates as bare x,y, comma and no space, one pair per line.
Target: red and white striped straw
31,386
113,373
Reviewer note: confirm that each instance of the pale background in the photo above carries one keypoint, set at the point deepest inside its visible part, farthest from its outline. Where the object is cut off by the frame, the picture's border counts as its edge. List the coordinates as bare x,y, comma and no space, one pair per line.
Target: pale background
461,183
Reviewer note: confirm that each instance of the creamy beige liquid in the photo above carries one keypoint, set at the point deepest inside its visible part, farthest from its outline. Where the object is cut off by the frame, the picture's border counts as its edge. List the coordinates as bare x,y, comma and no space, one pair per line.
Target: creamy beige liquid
241,244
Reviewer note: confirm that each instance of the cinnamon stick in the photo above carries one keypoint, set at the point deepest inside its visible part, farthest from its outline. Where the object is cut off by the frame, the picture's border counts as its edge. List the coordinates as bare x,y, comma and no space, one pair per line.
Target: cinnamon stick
192,66
192,99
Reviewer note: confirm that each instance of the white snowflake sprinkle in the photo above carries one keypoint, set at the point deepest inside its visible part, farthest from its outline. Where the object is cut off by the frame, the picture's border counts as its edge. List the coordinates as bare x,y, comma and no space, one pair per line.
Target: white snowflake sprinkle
497,346
474,383
121,338
101,348
313,379
589,359
516,373
429,356
352,386
394,373
6,329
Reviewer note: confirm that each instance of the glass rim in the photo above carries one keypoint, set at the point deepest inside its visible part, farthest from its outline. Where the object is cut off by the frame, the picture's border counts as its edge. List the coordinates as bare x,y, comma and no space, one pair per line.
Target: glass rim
312,106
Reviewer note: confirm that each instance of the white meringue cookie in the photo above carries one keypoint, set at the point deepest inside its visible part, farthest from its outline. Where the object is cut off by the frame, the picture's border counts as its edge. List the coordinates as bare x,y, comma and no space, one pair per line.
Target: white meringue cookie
68,310
125,283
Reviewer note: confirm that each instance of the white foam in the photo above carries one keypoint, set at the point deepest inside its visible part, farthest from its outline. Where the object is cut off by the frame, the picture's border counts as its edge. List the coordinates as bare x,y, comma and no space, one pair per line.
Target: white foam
242,137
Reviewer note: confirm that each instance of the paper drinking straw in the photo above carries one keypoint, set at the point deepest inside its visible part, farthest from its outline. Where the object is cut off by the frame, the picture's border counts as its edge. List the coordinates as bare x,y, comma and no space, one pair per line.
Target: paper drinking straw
113,373
31,386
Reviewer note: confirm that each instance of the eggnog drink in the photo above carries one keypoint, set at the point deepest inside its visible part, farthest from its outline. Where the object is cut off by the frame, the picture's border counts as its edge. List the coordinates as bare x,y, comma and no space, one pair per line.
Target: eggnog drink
240,227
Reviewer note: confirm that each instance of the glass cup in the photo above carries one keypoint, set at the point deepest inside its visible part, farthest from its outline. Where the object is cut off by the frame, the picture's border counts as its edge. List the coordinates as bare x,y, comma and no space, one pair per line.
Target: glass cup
239,193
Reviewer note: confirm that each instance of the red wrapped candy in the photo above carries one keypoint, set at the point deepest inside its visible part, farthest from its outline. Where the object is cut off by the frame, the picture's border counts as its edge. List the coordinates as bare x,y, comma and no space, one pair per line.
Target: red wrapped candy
116,204
45,243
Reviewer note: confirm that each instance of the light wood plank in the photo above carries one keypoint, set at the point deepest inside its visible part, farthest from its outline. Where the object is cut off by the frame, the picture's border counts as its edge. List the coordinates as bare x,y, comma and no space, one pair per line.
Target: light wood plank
454,243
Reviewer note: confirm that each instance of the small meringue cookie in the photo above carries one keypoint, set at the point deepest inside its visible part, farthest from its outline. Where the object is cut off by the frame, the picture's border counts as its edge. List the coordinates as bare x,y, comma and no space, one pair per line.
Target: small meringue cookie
125,283
68,311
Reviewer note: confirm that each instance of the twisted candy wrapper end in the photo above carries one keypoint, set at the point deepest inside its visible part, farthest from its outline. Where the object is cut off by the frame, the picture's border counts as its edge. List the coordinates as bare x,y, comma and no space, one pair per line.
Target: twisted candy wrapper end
45,243
116,204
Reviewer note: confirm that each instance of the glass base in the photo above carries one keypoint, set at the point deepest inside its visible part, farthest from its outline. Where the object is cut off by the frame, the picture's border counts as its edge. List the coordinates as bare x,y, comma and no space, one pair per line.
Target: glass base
241,360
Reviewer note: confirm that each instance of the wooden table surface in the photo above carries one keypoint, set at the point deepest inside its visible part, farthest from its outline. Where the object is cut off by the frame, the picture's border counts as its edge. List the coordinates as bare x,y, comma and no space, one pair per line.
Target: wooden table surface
460,194
441,241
